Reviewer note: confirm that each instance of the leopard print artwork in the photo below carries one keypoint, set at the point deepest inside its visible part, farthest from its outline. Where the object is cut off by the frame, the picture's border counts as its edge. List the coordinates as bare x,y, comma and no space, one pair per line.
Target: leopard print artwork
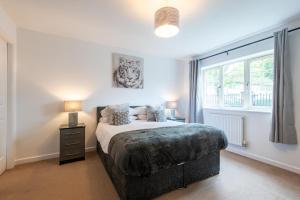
129,74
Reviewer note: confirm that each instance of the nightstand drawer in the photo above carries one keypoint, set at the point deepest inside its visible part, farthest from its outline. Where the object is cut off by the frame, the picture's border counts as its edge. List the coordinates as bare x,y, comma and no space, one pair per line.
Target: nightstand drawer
71,153
67,138
72,142
72,135
72,132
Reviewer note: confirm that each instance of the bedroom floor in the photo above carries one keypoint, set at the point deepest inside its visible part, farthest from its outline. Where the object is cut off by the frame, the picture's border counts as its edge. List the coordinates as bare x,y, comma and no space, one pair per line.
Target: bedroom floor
240,179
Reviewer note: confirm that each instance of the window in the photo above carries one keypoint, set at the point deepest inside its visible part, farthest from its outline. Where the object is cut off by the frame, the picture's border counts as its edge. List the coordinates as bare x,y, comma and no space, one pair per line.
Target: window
261,81
242,84
233,84
212,86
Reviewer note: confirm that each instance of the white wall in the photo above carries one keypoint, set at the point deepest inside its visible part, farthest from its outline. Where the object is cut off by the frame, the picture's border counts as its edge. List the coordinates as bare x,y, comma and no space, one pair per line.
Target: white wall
258,125
52,69
7,27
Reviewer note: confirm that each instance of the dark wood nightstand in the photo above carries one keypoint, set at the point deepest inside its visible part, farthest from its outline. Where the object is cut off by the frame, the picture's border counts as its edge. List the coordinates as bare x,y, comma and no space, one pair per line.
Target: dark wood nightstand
72,143
178,119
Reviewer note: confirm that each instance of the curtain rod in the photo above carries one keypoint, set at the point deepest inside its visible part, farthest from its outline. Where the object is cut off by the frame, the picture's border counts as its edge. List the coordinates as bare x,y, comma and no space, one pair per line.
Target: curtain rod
248,44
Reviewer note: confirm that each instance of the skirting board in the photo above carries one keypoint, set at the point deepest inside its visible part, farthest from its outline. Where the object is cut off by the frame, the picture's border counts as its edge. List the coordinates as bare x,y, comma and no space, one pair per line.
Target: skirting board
264,160
2,165
44,157
230,149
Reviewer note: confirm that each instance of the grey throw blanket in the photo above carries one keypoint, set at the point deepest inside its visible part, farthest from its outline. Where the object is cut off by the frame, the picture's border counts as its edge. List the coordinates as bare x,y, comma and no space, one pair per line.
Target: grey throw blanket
145,152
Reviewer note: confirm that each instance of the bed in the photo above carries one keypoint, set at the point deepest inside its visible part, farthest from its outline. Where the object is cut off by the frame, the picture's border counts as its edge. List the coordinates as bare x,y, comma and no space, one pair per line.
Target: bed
146,168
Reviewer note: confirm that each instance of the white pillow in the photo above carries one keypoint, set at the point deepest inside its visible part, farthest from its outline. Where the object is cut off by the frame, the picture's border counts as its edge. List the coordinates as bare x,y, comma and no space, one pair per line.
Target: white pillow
142,117
119,107
141,110
132,112
132,118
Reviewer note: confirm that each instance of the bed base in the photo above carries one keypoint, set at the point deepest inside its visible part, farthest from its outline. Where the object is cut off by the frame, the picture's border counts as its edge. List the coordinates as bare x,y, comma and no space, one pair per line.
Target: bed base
179,176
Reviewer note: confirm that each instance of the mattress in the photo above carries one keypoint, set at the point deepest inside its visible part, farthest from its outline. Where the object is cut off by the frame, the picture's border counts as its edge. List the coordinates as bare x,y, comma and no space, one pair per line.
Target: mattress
105,131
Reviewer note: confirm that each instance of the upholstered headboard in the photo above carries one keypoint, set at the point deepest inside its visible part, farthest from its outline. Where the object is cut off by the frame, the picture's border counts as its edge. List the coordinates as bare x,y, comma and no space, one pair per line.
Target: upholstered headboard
100,108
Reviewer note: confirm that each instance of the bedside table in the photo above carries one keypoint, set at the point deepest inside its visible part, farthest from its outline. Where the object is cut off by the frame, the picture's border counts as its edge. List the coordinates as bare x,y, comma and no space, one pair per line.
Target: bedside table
178,119
72,143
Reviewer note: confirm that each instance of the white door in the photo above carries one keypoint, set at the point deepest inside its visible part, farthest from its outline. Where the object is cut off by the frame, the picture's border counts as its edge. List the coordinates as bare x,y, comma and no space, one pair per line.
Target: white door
3,104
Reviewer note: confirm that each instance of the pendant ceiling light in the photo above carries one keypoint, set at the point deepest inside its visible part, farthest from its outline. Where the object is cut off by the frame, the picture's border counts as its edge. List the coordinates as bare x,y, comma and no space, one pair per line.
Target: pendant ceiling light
166,22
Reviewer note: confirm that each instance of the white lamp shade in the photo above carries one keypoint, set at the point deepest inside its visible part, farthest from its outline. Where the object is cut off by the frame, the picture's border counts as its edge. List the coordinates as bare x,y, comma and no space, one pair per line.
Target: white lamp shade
171,105
72,106
166,22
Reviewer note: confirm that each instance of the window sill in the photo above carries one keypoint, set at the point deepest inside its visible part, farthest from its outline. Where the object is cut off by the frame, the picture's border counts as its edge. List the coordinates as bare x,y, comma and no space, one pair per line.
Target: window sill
267,111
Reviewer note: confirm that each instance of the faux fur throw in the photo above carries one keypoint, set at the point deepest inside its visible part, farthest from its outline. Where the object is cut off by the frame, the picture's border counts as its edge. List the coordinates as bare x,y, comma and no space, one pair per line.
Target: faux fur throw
145,152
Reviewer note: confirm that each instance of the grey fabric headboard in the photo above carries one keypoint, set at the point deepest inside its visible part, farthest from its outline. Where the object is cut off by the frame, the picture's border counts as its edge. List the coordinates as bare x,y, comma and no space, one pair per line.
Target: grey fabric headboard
100,108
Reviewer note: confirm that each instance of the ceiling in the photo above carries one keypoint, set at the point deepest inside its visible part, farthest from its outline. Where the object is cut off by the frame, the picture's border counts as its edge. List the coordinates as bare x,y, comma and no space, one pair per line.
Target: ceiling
205,24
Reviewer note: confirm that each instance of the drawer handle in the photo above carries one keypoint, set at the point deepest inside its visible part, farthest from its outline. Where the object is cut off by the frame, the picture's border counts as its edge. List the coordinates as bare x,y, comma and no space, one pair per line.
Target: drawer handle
73,133
72,154
73,143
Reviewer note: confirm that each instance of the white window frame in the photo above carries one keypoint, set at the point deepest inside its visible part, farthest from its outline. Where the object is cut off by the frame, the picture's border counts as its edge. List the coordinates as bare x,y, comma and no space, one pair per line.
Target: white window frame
247,103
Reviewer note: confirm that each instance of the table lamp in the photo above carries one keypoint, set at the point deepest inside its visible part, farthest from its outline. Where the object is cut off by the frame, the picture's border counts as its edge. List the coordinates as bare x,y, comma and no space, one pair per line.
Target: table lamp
172,105
73,107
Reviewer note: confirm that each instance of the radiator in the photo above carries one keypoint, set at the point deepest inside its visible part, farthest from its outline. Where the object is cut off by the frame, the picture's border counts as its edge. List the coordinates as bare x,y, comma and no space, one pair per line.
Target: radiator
232,125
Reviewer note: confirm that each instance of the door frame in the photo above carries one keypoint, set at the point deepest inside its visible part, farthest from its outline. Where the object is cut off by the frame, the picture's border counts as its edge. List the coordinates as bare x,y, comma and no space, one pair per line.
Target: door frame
3,113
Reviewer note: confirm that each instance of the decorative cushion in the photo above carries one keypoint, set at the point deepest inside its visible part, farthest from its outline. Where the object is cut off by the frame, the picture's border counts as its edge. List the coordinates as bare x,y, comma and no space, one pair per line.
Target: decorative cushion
142,117
133,118
160,116
150,112
106,116
104,120
121,118
105,112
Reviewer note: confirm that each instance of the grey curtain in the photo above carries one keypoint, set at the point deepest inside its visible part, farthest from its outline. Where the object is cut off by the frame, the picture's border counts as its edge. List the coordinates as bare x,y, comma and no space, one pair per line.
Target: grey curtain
195,99
283,123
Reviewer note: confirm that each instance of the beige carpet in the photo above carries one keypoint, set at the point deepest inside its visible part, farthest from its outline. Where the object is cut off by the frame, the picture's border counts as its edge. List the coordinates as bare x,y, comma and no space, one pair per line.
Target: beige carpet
240,179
